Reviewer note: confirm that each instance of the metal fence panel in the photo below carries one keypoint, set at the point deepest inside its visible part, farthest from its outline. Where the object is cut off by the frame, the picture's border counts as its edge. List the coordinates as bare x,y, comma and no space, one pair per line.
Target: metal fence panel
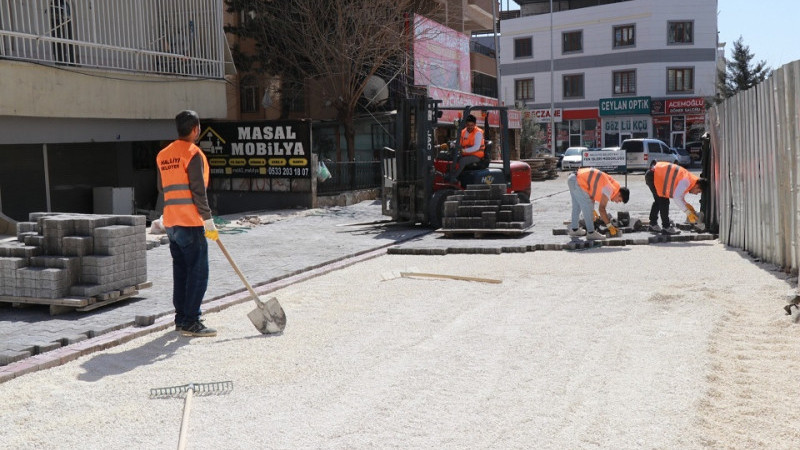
755,139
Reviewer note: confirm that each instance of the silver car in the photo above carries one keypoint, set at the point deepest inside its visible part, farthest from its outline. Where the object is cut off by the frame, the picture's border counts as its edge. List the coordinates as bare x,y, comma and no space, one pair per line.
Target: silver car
682,156
573,158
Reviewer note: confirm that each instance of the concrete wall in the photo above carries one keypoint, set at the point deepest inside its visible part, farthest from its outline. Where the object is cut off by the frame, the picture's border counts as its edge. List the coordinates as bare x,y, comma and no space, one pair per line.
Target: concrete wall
34,90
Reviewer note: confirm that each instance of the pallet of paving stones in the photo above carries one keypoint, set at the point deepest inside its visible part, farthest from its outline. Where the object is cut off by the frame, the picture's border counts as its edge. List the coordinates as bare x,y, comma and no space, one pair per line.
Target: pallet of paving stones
74,260
82,304
485,209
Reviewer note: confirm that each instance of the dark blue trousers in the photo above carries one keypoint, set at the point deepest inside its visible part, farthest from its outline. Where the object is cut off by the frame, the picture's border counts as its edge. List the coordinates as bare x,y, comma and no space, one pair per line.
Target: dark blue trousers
189,250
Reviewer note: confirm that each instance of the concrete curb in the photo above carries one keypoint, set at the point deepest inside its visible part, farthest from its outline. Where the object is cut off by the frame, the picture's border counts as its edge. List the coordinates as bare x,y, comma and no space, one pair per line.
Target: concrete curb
573,245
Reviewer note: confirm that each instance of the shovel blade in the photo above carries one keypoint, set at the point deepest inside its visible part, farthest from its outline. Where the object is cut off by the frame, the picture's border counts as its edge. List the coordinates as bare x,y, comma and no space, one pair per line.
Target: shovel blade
268,317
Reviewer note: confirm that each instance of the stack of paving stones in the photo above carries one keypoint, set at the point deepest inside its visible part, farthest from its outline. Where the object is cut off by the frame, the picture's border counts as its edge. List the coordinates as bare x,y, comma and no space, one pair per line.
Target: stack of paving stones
486,207
543,168
62,255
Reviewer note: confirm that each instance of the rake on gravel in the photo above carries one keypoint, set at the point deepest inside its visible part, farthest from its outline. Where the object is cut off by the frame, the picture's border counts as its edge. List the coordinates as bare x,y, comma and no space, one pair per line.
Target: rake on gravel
188,391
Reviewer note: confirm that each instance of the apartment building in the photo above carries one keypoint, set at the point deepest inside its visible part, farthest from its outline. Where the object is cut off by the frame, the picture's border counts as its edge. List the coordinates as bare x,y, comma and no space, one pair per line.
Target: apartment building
612,69
89,91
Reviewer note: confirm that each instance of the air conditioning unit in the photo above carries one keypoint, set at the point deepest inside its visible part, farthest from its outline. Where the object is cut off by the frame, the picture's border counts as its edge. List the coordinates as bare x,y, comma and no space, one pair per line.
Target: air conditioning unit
520,104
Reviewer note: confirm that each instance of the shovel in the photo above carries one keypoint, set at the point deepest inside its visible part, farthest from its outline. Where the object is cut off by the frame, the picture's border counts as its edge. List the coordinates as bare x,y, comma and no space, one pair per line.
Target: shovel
268,317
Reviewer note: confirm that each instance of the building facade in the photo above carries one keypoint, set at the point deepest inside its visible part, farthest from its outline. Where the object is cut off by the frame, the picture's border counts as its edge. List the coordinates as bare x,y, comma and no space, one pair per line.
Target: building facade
606,71
89,91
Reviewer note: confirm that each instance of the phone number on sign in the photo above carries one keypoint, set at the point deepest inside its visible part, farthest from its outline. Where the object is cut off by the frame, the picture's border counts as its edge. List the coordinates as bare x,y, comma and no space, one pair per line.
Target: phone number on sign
288,171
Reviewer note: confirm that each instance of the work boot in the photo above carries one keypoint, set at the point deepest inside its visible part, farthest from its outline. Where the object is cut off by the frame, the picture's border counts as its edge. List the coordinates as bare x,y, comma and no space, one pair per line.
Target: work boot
595,236
198,329
671,231
654,228
577,232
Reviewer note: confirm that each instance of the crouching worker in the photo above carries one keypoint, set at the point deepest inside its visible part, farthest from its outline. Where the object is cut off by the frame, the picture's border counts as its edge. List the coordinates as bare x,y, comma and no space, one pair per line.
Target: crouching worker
587,186
670,181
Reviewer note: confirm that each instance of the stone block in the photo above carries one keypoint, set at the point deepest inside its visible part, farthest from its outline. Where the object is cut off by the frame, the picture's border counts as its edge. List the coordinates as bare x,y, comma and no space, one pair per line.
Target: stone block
9,356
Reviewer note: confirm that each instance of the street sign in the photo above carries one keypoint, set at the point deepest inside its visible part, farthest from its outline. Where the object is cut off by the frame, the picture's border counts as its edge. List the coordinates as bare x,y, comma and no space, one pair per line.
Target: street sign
608,160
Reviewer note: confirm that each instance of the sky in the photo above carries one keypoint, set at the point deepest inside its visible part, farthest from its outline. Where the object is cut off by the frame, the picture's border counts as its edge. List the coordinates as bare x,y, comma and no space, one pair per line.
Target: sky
771,31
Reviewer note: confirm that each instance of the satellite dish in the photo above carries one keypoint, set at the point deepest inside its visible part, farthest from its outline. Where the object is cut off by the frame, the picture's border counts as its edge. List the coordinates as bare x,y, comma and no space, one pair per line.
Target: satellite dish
375,90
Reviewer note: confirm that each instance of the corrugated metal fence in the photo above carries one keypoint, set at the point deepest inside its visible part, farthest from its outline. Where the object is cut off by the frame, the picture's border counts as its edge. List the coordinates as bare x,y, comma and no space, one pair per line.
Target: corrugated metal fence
755,145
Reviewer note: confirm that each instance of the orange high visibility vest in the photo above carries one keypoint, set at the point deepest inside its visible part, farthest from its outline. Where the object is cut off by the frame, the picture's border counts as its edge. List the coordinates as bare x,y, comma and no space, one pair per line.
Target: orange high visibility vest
593,181
179,209
468,140
666,177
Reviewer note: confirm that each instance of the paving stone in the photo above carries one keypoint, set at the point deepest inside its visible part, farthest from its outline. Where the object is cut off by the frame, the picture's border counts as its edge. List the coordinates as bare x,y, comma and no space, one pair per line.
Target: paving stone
8,356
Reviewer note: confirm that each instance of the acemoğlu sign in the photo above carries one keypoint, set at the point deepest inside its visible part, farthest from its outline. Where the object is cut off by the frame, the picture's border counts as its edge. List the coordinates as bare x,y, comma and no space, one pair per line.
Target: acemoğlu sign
264,149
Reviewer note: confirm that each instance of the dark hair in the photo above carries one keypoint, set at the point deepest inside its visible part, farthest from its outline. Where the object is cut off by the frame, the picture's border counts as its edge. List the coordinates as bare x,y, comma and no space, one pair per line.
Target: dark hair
185,122
702,183
471,118
625,193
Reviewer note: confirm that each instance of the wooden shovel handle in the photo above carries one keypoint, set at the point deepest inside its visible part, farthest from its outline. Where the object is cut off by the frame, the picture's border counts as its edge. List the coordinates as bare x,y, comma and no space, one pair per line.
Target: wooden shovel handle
238,272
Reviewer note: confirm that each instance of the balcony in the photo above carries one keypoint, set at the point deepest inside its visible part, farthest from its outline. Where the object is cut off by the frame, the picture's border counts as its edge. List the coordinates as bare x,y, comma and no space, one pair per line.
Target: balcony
183,38
120,59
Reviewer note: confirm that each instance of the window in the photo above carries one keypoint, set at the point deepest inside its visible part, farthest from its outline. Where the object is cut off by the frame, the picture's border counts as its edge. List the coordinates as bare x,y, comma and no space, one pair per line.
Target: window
249,99
573,86
680,79
572,41
680,33
523,89
523,47
625,82
624,36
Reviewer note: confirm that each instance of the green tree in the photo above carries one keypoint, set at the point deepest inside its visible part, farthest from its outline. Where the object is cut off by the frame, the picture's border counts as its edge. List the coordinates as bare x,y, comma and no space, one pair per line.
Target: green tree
740,74
336,45
532,135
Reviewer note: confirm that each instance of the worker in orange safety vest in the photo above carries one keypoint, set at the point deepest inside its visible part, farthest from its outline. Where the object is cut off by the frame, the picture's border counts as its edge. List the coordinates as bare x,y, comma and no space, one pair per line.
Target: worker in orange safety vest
587,186
182,179
671,181
473,145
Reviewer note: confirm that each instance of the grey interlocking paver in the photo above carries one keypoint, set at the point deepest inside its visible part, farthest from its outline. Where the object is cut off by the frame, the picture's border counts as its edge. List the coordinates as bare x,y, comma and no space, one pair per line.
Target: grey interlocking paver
292,243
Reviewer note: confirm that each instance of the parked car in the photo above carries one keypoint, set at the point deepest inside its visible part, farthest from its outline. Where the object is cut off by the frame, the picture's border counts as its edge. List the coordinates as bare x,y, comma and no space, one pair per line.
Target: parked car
573,158
694,148
681,156
641,153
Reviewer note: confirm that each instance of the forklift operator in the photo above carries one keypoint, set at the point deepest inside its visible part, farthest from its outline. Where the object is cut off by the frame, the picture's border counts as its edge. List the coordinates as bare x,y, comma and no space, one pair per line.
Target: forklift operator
472,145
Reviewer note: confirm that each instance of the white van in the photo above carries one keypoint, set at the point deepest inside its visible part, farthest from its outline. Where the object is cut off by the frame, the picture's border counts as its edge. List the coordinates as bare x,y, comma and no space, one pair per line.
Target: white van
642,153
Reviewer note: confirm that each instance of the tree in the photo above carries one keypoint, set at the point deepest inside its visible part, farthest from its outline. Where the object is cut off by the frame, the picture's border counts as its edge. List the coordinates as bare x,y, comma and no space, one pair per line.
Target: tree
532,135
335,44
740,74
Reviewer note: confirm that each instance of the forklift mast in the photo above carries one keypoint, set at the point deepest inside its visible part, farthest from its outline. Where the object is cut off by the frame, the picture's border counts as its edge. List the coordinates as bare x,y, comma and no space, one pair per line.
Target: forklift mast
408,169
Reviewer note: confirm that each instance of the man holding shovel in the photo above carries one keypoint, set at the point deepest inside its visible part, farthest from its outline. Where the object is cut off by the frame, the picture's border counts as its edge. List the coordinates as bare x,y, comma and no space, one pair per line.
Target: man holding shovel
182,180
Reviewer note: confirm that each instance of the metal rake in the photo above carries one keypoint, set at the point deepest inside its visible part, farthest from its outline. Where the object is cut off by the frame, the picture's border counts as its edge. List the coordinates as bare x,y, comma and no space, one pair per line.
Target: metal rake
189,391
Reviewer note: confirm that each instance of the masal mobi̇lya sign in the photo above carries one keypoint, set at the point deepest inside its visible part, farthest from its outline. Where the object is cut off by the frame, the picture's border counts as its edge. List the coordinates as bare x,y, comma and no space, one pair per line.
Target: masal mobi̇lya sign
258,149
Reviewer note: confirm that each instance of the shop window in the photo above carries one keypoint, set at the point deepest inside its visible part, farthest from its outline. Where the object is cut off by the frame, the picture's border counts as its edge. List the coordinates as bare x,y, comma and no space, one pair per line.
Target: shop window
680,32
572,41
680,80
523,89
573,86
624,36
523,47
625,82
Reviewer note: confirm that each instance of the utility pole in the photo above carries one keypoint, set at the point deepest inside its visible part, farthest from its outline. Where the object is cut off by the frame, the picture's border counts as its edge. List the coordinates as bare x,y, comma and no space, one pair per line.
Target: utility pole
552,91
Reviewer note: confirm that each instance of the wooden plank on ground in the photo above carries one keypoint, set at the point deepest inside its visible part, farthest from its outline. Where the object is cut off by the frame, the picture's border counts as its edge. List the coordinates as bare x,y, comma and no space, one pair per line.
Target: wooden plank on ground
451,277
100,304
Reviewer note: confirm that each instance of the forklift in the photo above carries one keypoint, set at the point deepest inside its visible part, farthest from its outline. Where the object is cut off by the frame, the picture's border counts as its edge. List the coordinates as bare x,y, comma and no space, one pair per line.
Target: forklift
418,175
